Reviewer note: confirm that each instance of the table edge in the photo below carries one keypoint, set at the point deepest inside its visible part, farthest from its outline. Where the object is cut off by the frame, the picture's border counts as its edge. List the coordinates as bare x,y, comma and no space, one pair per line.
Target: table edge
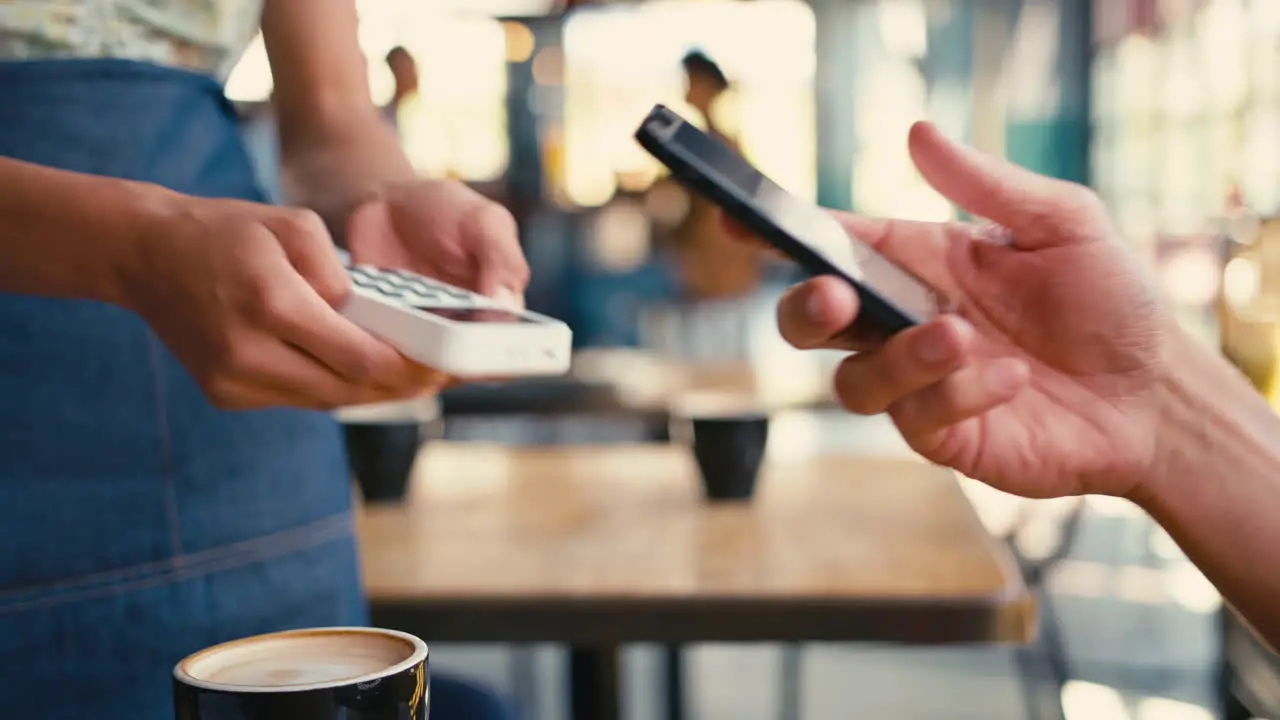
595,620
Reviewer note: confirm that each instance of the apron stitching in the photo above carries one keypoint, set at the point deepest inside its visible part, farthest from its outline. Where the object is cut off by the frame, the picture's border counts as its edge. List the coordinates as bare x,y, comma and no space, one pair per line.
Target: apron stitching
256,555
283,538
166,450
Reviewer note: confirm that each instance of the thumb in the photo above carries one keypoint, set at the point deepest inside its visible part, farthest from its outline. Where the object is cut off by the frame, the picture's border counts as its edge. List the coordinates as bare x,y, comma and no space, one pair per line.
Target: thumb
1040,210
370,230
493,238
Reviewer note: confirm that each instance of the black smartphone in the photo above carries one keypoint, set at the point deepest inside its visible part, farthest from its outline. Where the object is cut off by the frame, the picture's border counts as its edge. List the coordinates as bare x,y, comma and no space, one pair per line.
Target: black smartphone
892,298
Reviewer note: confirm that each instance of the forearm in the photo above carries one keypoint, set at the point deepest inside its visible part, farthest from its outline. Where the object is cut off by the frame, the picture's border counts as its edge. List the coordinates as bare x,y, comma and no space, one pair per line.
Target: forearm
65,234
1217,491
336,148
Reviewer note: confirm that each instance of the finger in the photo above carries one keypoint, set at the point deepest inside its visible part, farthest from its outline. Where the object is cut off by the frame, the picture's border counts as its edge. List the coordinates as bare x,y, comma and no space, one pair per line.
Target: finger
869,383
452,382
310,249
300,317
294,305
239,395
966,394
298,378
257,395
735,230
372,236
919,247
280,376
508,299
502,272
815,313
1041,211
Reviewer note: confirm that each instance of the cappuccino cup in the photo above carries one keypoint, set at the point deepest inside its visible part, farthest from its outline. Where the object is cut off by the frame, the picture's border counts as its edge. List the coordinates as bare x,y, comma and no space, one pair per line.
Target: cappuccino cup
317,674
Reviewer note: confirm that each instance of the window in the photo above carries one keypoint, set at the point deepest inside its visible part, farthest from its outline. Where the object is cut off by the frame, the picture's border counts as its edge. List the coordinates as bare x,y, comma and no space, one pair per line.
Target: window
620,61
891,94
457,126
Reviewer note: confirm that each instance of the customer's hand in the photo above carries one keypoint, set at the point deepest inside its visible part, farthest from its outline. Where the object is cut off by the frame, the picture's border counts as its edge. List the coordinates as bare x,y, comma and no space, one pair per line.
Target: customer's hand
1043,382
444,230
244,295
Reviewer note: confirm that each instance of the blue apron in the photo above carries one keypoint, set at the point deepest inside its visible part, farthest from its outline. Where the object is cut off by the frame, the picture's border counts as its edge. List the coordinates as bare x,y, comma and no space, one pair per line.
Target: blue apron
137,522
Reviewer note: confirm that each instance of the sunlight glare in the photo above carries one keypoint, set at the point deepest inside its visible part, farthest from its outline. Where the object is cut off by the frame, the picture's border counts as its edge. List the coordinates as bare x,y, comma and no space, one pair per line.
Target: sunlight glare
1090,701
1165,709
251,80
1191,589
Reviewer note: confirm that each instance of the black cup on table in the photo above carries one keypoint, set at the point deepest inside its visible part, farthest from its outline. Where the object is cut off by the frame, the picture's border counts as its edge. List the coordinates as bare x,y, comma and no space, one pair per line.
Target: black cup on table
318,674
728,438
381,455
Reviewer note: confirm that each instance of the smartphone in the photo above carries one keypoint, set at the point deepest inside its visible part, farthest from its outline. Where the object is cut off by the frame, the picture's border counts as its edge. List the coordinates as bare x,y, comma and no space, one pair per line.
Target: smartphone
892,298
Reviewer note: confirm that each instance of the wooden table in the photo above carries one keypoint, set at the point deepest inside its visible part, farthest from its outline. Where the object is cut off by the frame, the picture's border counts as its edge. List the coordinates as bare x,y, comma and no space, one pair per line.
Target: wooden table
598,547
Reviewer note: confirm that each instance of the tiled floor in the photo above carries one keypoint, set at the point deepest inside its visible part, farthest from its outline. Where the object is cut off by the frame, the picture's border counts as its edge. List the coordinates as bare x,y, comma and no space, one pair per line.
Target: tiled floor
1137,623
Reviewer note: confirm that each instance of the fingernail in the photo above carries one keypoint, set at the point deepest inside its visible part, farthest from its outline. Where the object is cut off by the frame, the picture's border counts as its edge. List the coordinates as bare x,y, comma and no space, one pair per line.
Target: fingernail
936,345
508,298
814,307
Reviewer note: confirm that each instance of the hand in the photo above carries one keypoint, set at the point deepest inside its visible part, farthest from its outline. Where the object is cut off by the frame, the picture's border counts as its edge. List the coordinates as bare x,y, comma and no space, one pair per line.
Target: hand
444,230
244,295
1044,381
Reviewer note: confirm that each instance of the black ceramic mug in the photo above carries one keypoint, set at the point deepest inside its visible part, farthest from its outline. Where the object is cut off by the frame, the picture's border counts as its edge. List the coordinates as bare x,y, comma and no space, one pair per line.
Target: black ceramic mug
728,434
381,455
320,674
729,451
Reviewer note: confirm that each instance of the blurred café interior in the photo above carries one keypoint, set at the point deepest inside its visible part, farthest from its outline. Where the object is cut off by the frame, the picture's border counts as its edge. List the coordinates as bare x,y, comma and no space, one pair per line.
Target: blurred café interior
540,576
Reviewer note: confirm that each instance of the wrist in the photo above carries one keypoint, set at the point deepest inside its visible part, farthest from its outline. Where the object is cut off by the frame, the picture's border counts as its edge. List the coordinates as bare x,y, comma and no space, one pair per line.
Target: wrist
1179,432
1210,424
336,168
72,235
145,225
1217,480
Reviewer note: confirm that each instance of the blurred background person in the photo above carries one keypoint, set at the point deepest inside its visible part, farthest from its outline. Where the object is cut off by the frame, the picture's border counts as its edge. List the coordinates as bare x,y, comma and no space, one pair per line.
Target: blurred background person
404,75
711,266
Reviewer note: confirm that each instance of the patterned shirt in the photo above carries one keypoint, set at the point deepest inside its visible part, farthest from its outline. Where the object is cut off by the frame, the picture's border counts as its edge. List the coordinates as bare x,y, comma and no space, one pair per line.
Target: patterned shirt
205,36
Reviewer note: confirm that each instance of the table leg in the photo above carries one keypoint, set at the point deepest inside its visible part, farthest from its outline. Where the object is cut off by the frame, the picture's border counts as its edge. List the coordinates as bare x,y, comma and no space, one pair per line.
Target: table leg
657,430
790,695
524,677
593,683
673,687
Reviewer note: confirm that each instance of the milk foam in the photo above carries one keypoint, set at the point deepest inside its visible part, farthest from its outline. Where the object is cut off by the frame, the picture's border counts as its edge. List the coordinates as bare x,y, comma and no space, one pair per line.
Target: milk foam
290,660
